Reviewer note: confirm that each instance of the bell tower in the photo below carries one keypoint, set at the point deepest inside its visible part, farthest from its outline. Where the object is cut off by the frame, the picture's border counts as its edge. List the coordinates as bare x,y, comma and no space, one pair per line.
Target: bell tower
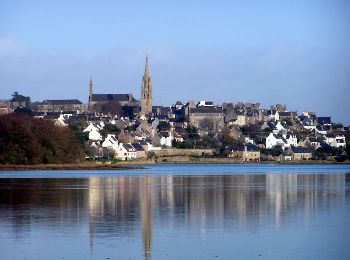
146,92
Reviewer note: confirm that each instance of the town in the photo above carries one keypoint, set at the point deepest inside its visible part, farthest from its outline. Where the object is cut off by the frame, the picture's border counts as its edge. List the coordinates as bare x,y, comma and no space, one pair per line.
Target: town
120,127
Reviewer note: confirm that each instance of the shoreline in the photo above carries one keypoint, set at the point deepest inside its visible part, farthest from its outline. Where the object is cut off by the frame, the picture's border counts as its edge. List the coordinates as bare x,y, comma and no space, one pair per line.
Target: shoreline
310,162
135,165
57,167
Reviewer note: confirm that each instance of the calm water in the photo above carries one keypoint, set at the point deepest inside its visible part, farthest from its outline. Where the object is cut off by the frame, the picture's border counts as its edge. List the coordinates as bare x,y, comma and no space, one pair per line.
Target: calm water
177,212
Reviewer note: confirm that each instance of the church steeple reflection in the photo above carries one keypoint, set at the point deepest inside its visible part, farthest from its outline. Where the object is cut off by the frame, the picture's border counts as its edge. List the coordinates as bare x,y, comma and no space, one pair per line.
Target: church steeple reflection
146,215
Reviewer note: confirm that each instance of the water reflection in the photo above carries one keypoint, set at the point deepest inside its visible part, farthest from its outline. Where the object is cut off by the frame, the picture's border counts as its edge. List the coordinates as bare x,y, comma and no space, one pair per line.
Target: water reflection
128,206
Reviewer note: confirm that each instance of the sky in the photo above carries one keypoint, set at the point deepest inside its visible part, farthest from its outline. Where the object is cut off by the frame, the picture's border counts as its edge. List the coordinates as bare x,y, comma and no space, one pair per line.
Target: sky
293,52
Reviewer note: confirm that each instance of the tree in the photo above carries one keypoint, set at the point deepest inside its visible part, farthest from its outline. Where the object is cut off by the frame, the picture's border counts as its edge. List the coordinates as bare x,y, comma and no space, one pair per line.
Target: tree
109,129
26,140
276,150
288,121
163,126
24,110
209,142
228,140
16,97
188,144
192,133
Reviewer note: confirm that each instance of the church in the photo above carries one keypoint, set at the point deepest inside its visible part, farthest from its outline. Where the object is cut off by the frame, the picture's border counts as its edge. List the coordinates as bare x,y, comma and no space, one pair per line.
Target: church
119,103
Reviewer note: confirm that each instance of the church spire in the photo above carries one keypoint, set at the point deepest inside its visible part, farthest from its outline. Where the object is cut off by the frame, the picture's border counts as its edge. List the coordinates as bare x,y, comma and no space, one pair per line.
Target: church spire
146,67
91,88
146,91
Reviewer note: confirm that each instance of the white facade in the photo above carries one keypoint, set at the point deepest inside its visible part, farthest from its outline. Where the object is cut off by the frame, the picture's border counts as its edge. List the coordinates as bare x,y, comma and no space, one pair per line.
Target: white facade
60,121
125,153
247,140
337,141
111,142
280,127
277,116
90,128
94,135
273,140
167,141
93,131
204,103
292,140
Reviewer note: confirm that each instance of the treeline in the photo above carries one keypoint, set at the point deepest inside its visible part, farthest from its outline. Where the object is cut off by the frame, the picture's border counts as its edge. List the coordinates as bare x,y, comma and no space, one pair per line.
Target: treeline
26,140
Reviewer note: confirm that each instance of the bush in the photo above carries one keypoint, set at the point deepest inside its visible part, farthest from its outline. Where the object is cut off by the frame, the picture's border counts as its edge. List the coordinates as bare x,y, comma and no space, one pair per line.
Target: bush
26,140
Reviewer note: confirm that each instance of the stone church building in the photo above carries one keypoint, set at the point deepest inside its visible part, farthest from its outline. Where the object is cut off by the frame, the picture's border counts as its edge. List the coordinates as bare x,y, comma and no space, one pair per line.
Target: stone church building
108,102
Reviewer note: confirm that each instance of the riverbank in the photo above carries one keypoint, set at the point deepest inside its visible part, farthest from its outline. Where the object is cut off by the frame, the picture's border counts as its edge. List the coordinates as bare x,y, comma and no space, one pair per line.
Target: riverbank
82,166
134,165
228,161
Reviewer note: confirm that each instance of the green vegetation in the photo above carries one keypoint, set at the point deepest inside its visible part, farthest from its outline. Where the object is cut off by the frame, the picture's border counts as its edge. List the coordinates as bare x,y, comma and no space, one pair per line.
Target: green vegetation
163,126
25,140
16,97
110,129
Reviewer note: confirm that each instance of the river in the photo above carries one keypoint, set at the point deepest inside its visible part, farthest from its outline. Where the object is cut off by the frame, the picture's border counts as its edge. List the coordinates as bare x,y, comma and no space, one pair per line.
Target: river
177,212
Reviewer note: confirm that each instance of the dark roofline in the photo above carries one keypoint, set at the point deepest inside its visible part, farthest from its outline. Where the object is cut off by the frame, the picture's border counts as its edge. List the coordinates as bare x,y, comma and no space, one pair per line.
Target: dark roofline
61,101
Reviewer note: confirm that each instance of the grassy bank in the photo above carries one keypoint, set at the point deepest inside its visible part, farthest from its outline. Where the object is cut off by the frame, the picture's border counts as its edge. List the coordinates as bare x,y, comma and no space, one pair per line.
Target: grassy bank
82,166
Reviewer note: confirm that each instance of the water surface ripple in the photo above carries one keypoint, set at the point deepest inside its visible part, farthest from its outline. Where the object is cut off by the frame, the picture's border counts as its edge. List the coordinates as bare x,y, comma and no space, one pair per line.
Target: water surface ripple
177,212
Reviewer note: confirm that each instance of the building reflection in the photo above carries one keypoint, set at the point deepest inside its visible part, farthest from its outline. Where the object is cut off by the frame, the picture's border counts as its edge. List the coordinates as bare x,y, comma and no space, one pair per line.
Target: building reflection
129,206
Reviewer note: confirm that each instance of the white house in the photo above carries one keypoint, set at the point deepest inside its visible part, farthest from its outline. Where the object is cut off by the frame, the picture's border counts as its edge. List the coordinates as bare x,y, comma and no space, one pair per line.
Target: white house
204,103
90,128
94,135
311,141
291,140
60,120
248,140
93,131
167,141
111,142
279,129
148,146
336,141
308,124
126,152
279,126
101,125
277,116
273,140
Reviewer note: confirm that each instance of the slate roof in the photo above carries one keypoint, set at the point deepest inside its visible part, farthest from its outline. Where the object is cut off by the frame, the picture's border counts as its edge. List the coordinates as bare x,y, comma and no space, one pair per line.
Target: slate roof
112,97
250,148
324,120
313,140
129,147
137,147
300,150
286,114
207,110
177,119
280,137
143,142
62,102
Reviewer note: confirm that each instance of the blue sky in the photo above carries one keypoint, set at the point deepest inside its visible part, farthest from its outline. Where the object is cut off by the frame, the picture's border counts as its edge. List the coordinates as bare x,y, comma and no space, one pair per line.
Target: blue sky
291,52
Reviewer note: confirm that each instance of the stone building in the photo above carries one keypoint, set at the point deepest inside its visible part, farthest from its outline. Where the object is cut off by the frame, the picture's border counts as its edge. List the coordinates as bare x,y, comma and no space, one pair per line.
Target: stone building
207,119
59,105
4,108
299,153
108,102
146,92
245,153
